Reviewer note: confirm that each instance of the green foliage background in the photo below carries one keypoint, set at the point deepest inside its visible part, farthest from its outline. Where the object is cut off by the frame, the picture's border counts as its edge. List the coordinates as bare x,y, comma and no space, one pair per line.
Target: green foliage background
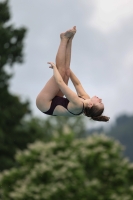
68,168
12,110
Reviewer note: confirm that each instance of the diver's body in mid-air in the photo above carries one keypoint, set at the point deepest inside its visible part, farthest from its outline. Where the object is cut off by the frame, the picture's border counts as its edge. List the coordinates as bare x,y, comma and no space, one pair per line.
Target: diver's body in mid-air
51,101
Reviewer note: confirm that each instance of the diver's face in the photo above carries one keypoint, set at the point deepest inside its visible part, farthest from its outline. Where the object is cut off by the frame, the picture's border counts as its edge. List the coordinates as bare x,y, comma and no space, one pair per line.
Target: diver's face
97,101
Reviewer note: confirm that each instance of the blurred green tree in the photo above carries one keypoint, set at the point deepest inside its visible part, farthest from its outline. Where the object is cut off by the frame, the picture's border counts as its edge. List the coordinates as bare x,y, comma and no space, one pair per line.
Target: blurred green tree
122,130
76,124
44,129
68,168
12,110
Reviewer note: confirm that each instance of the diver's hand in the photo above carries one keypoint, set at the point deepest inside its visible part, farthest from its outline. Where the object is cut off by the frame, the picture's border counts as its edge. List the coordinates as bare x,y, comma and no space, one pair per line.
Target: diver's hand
52,65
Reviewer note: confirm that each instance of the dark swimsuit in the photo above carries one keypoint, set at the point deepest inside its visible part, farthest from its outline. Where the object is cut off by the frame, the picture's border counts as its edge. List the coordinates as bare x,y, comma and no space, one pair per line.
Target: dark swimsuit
62,102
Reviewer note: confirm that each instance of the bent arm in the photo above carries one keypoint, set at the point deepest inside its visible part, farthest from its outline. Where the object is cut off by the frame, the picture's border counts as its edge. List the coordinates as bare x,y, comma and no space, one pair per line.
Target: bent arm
78,86
70,95
74,79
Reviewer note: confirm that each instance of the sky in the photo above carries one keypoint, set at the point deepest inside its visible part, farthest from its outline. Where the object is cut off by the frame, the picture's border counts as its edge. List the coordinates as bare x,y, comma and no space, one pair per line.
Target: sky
102,51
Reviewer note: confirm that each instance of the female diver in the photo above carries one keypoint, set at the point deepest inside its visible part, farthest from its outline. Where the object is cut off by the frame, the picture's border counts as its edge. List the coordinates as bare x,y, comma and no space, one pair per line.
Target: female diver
51,101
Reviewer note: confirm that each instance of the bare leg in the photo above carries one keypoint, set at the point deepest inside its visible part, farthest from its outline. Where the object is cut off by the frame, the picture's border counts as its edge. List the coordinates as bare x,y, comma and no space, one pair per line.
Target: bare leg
63,57
68,51
68,60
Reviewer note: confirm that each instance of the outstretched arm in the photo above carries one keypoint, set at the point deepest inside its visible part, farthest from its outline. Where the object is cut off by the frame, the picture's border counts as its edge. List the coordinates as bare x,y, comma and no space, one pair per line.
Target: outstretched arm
78,86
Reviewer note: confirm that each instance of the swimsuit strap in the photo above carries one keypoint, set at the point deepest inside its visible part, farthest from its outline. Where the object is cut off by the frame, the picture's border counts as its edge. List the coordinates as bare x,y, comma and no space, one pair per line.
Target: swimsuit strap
78,113
82,109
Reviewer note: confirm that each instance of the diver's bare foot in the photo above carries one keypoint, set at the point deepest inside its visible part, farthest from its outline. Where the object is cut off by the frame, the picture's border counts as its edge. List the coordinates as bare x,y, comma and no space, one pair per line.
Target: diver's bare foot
74,31
68,34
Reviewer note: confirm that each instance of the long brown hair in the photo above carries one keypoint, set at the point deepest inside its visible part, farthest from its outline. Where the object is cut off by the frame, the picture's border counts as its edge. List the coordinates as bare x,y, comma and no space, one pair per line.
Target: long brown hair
95,113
